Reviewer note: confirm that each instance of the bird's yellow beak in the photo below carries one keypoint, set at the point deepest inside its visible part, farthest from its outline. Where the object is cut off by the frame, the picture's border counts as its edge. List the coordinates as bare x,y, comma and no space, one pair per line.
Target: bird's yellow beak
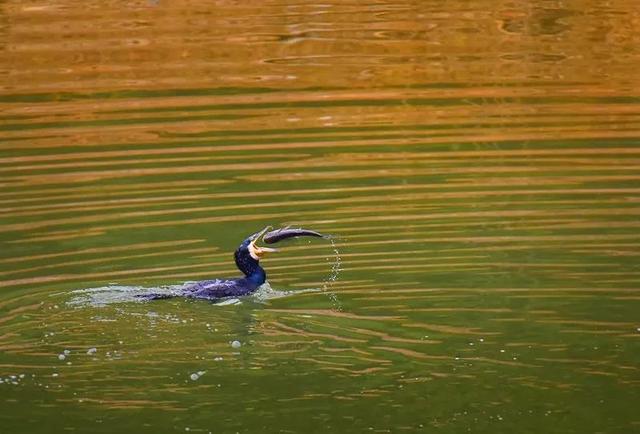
256,251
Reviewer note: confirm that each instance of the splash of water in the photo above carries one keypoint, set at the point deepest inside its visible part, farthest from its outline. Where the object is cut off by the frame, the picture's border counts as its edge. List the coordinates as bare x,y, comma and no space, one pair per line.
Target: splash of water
265,293
116,294
335,271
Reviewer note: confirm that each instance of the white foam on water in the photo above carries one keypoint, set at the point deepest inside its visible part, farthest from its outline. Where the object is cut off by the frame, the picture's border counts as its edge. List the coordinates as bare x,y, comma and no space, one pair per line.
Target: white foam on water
228,301
116,294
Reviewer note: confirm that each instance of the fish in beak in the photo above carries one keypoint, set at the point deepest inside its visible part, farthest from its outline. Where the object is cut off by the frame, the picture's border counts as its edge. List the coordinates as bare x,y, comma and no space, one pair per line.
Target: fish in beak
289,232
274,236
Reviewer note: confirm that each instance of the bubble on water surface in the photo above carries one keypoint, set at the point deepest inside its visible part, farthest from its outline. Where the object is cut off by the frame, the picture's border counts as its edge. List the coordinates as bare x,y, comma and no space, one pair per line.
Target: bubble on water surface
196,375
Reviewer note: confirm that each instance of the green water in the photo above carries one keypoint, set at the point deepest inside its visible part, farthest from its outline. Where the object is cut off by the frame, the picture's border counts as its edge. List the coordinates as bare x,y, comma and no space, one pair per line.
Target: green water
477,163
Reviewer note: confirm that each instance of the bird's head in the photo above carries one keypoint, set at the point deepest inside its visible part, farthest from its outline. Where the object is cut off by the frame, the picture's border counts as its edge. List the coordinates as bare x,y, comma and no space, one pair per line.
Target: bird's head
249,253
255,251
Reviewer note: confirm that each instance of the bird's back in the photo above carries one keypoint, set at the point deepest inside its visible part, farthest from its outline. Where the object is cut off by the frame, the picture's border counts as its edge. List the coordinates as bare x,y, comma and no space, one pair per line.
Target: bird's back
219,288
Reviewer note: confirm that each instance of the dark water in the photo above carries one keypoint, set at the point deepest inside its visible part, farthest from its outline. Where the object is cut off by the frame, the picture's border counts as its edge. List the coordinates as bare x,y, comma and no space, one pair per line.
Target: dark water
478,163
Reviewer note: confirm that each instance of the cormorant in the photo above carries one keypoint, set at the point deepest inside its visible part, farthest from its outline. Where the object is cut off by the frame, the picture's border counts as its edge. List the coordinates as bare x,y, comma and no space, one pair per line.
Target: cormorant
247,258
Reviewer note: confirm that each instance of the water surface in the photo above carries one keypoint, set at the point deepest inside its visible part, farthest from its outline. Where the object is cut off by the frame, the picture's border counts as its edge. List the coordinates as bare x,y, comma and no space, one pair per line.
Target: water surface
478,164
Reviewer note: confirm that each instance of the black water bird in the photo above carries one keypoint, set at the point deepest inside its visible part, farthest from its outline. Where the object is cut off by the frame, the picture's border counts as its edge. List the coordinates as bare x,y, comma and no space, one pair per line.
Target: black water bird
247,258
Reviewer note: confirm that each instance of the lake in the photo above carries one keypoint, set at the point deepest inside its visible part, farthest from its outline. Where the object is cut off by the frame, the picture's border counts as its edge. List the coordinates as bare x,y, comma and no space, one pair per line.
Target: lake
476,163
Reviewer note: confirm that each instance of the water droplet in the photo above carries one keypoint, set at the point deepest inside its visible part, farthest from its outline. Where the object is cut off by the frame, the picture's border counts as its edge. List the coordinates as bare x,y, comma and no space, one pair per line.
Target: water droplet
236,344
335,270
194,377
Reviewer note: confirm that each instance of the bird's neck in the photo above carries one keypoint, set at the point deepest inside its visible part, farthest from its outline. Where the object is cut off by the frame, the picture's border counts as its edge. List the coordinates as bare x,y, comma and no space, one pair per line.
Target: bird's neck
257,277
251,268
